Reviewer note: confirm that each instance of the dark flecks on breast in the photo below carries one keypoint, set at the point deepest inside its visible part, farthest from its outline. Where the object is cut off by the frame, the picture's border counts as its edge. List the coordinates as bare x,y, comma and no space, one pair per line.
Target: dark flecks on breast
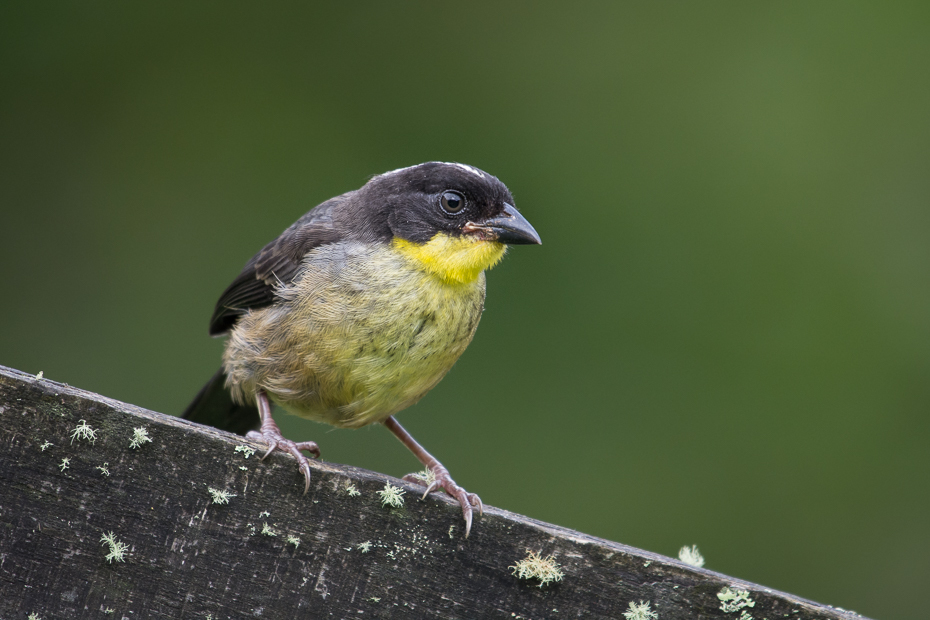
426,318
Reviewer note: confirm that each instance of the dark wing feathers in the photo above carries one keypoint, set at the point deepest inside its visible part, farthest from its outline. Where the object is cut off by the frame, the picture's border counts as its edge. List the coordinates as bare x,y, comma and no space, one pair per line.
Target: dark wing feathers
278,263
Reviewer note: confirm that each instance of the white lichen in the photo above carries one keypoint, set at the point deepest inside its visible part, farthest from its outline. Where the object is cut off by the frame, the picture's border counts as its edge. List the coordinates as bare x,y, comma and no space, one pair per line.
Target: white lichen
40,376
351,490
293,540
391,496
640,611
220,497
427,476
364,547
691,555
84,431
65,464
245,450
734,599
104,469
267,530
139,436
117,549
534,566
46,445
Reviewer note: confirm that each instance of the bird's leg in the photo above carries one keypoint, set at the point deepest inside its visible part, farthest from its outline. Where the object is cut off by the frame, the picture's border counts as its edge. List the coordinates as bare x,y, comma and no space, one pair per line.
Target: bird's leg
441,474
271,435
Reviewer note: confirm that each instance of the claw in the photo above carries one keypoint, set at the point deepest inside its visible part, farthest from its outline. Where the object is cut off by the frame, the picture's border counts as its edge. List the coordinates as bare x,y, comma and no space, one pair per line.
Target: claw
309,446
271,435
468,522
444,480
432,487
271,444
441,475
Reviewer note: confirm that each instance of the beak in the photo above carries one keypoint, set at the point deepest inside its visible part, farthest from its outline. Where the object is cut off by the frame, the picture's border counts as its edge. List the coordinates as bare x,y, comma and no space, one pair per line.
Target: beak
509,227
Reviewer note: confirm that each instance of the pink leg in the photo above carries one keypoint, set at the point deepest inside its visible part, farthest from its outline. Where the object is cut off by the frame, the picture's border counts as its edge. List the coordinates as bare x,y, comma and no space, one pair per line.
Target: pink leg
271,435
443,479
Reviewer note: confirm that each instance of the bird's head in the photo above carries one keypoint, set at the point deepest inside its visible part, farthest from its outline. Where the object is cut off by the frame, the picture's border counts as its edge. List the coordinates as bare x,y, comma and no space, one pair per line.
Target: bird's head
453,220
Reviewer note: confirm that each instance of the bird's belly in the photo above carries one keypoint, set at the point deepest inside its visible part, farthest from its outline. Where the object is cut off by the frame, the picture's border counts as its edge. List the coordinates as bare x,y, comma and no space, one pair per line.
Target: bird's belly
364,344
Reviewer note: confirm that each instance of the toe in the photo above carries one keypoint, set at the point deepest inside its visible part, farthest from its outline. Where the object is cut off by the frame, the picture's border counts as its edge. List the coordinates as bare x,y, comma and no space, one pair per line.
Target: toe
309,446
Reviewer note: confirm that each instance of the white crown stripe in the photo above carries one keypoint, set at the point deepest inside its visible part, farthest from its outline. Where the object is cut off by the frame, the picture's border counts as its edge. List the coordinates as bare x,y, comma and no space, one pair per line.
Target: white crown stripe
464,167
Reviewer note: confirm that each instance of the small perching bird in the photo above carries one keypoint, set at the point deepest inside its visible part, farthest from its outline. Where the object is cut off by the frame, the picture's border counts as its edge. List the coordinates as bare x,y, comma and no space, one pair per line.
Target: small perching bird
358,309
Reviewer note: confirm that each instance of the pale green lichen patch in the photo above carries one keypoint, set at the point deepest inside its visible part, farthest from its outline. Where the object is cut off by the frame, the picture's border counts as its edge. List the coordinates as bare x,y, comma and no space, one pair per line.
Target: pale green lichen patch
351,490
220,497
364,547
427,477
46,445
734,599
267,530
691,555
139,436
640,611
65,464
391,496
245,450
293,540
103,469
534,566
84,431
117,549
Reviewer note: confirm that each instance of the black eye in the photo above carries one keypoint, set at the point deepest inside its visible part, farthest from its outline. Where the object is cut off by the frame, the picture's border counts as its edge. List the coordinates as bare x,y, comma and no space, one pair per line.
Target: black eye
452,202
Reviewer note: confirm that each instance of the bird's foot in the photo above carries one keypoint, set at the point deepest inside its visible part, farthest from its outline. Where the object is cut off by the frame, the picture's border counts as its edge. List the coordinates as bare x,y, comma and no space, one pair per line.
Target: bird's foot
271,435
442,479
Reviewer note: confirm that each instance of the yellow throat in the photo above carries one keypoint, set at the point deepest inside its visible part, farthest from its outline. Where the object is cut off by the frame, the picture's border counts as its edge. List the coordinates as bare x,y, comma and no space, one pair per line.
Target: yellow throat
456,260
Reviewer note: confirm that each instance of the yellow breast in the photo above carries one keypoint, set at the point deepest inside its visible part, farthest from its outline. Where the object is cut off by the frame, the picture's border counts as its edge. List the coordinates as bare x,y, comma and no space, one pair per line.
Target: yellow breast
367,330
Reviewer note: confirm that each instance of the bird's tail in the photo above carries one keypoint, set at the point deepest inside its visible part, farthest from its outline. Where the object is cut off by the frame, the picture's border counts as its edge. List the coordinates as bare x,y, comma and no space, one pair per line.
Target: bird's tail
214,406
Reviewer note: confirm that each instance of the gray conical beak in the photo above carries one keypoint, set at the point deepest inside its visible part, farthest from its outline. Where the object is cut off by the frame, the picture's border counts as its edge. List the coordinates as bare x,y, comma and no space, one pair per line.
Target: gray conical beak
512,228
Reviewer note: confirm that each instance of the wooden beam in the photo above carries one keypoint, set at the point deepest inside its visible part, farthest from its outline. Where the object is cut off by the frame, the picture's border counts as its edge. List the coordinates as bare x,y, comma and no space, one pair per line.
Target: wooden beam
96,525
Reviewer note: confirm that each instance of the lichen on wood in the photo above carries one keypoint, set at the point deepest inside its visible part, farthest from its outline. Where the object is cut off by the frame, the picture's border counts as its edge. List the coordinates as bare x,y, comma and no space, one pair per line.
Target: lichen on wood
171,550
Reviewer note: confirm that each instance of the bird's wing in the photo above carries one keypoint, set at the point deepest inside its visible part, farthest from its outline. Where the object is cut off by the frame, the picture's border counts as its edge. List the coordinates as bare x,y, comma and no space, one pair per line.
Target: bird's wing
278,263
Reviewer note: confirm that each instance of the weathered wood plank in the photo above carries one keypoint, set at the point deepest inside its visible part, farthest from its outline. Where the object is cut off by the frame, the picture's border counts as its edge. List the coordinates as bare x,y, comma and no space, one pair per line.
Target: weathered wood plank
188,557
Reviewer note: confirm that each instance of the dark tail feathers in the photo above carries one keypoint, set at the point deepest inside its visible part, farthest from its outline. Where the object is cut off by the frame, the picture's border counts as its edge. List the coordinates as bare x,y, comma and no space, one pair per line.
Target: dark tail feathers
214,406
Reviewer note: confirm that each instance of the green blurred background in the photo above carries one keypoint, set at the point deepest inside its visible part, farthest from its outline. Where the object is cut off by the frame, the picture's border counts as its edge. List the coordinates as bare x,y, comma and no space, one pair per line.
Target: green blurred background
724,340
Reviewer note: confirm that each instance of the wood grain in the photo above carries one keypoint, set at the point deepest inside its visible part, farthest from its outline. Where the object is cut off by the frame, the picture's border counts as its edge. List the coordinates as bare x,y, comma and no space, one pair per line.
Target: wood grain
189,557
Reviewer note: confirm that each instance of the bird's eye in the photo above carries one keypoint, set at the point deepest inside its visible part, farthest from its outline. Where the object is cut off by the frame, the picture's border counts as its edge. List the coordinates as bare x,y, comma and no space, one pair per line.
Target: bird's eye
452,202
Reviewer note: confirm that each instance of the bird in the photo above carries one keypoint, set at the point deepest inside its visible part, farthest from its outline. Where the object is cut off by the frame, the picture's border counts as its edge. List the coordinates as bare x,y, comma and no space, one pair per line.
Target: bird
360,308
